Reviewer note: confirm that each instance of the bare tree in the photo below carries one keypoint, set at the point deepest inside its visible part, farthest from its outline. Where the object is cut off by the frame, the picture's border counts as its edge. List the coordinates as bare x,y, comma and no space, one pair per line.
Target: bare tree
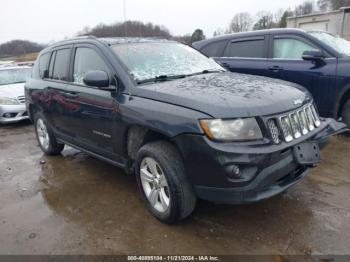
241,22
325,5
305,8
265,20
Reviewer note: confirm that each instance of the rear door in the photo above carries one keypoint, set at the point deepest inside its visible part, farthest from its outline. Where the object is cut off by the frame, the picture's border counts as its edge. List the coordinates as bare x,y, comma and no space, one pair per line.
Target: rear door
90,116
286,63
56,80
246,55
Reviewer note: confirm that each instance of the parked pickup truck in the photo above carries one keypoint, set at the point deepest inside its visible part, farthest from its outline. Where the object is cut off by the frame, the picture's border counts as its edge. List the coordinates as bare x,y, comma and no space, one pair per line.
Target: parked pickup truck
317,60
184,125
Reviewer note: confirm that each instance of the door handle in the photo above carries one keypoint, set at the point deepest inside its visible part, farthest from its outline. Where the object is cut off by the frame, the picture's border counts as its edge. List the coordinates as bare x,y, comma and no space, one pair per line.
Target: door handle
70,95
275,69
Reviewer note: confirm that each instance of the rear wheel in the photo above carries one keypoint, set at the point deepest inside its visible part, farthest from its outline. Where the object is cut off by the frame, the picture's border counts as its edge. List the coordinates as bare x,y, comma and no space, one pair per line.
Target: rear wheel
346,113
46,138
163,183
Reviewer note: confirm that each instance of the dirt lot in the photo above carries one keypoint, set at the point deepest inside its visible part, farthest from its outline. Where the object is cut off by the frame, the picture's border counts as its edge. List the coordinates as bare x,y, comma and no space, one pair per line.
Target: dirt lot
74,204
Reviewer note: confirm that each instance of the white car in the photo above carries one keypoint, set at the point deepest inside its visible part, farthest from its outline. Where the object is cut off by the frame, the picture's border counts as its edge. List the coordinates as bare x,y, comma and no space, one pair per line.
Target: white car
12,101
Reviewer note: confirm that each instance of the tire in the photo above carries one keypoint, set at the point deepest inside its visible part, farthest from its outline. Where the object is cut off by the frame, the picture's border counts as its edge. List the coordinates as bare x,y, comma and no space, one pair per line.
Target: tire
44,133
181,198
346,113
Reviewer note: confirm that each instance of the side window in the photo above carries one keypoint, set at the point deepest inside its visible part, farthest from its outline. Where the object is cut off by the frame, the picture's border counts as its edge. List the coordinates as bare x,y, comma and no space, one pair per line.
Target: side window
87,59
246,49
290,48
43,63
215,49
60,67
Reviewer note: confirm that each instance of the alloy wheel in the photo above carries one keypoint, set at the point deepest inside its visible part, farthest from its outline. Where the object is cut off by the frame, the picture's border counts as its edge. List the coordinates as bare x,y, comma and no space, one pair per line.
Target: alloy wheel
43,135
154,184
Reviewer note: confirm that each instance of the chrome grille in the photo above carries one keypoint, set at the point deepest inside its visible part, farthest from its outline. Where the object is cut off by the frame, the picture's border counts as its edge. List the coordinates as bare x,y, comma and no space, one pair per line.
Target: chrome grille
275,133
294,124
21,99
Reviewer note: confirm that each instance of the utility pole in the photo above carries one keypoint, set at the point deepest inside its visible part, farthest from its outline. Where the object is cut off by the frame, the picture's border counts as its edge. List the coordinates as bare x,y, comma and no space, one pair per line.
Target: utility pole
125,25
124,10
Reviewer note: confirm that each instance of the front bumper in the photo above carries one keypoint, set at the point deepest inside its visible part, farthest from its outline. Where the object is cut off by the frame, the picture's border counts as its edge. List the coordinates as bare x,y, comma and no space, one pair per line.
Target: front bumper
12,113
265,170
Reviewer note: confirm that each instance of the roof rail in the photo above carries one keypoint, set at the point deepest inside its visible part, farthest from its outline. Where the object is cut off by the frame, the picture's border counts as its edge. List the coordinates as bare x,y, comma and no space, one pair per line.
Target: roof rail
76,38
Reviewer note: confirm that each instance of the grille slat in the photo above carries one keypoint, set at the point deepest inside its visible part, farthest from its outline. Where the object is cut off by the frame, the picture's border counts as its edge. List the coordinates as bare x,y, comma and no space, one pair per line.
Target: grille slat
315,116
309,118
21,99
294,124
303,122
286,128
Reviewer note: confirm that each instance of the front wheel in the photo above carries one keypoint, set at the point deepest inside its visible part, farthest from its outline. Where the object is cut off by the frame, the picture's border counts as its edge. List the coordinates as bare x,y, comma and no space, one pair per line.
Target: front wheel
46,138
163,183
346,113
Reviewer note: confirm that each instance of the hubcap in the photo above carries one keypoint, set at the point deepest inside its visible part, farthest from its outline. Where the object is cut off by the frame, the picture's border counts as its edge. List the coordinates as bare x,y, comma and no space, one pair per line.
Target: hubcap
154,184
43,135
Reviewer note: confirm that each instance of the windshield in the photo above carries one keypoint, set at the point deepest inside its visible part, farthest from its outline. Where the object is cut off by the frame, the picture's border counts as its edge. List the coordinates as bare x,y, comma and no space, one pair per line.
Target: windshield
151,60
12,76
339,44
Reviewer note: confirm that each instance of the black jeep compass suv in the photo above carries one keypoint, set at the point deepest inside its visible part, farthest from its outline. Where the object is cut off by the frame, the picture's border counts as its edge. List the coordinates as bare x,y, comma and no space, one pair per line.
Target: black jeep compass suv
184,125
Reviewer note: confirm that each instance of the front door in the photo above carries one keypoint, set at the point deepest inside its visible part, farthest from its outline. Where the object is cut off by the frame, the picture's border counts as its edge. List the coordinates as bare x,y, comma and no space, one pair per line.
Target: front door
92,113
286,63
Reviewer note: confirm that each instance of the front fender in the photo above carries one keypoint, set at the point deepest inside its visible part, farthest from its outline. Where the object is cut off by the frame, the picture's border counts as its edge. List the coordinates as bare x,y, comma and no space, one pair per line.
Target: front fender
167,119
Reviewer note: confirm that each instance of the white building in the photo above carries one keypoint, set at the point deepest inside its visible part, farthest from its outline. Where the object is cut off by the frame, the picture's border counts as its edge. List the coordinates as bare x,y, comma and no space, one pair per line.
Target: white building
335,22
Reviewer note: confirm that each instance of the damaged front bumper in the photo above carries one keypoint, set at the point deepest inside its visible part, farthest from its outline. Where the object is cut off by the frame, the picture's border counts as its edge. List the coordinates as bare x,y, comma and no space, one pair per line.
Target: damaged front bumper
236,174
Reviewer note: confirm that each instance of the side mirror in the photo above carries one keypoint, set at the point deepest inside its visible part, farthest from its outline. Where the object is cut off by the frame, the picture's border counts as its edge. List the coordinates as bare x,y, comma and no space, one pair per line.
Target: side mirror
314,56
99,79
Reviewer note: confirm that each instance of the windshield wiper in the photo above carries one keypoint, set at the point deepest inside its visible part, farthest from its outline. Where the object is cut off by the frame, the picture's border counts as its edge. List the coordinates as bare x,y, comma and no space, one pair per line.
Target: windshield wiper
208,71
161,78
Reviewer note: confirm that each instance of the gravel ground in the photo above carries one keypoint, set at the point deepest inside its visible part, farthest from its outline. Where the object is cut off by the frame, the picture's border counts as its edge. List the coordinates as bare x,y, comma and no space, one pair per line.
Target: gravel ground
75,204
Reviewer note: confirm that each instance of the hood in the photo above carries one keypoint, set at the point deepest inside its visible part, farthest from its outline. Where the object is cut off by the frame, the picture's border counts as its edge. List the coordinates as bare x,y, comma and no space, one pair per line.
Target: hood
12,91
228,95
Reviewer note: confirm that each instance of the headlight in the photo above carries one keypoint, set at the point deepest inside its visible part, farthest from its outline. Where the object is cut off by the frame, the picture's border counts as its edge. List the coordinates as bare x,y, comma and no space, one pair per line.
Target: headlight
8,101
232,130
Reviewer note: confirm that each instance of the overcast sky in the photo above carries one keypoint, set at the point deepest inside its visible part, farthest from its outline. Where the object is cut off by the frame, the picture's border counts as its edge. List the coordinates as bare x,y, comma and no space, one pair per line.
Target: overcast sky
47,20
